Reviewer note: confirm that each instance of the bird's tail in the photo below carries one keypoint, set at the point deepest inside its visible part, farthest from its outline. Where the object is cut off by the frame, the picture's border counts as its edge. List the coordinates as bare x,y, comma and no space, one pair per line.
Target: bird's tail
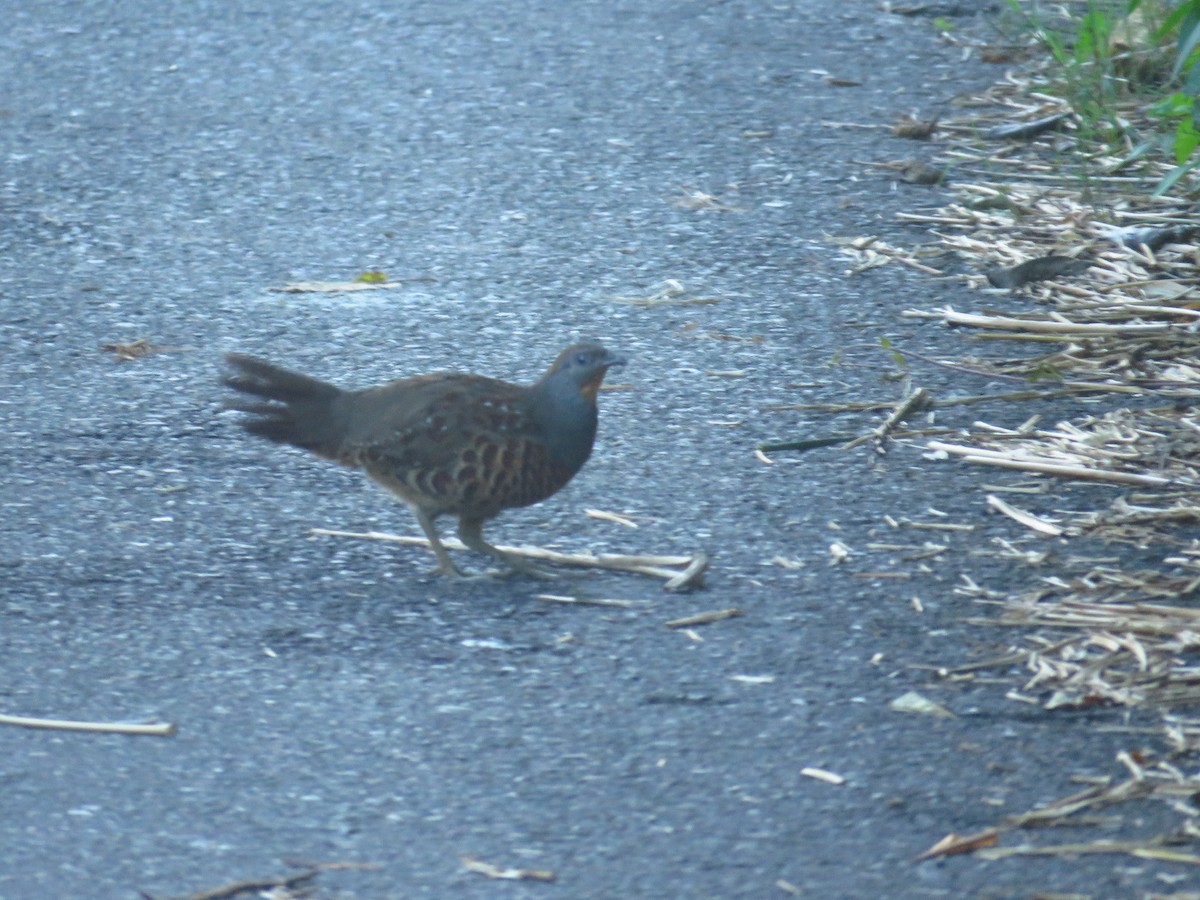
294,409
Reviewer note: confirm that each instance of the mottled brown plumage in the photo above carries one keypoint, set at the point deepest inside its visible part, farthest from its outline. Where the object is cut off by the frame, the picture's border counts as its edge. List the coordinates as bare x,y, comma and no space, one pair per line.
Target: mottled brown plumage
445,444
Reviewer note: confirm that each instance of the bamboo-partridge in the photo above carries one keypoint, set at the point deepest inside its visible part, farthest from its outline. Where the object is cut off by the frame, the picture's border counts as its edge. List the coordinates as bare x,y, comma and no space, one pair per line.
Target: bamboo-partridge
445,444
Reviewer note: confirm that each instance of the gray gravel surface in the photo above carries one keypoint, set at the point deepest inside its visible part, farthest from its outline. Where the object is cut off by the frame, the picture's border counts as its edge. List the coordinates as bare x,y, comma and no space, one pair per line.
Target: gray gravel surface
166,164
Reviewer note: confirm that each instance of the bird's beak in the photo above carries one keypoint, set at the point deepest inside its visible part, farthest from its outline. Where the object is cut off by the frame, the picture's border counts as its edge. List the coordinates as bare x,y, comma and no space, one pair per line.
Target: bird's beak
592,386
612,360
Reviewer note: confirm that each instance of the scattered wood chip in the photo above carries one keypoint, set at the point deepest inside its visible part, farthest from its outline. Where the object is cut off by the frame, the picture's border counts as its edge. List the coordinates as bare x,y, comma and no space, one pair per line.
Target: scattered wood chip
912,702
822,775
133,349
696,199
704,618
505,873
785,562
956,844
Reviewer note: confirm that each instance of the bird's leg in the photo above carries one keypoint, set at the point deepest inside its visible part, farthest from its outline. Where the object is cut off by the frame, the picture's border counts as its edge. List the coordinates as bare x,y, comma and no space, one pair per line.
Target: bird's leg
435,543
471,532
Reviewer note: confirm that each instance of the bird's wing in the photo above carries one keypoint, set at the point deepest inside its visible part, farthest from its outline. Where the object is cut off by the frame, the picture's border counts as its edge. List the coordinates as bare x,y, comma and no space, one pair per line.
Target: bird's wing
431,420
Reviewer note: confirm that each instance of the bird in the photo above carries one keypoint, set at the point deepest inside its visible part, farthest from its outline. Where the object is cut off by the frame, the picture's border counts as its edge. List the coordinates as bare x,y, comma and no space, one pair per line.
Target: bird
446,444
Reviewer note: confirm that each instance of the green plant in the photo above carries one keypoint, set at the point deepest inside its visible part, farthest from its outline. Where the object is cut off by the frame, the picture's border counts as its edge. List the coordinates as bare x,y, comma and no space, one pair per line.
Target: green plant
1110,55
1181,108
896,355
1083,52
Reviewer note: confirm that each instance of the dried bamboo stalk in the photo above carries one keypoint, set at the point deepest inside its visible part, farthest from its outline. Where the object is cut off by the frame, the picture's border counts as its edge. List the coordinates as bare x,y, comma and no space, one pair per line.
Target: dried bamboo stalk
666,567
952,317
1049,467
157,730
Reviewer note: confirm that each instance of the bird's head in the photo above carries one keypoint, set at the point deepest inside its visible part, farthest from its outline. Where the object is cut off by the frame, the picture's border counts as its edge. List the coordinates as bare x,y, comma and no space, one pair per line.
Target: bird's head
583,366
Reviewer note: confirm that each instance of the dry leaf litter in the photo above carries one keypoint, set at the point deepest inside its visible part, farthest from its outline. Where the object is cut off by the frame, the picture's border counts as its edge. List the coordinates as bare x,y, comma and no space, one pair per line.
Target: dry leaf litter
1113,273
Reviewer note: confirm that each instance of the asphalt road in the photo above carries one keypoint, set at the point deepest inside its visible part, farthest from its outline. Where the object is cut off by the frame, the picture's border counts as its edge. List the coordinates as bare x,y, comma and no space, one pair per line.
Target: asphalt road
166,164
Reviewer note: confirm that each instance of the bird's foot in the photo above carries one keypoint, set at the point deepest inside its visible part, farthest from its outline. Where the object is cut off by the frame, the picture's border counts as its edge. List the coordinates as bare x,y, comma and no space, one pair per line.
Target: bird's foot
454,573
518,566
512,567
472,535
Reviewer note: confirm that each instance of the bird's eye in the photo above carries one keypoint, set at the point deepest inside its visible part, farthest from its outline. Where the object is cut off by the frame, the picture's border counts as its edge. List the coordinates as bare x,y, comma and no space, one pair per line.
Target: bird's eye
581,359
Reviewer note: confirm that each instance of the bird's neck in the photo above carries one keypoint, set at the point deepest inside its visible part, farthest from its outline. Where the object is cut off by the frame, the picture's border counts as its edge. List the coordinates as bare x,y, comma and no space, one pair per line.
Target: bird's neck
567,420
